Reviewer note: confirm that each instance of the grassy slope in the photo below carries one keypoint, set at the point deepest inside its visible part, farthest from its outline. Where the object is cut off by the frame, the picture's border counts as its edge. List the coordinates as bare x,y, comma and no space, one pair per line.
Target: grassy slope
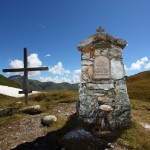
135,138
7,82
139,86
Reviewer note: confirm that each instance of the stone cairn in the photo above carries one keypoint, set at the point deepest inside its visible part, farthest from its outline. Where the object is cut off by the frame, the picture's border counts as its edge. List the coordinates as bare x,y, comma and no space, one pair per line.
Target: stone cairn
103,97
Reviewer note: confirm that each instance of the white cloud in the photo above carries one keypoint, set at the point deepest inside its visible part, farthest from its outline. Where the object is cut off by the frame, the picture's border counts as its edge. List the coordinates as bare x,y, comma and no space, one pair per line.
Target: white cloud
147,66
78,71
58,69
76,78
16,63
125,67
33,61
138,64
48,55
55,79
73,78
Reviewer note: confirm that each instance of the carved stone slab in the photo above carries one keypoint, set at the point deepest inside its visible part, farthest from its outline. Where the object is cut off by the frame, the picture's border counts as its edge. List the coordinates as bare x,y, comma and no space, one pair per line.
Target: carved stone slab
101,68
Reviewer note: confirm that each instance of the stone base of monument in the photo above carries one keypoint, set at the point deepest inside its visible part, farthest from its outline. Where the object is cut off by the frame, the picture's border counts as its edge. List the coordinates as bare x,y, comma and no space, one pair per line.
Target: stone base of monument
103,98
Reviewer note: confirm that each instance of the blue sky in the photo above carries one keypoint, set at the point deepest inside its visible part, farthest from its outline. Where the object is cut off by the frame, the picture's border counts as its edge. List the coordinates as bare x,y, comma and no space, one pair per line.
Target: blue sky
51,30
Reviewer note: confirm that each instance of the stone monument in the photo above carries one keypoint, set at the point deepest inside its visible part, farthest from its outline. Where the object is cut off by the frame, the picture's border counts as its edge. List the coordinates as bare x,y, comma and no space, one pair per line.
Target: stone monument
103,97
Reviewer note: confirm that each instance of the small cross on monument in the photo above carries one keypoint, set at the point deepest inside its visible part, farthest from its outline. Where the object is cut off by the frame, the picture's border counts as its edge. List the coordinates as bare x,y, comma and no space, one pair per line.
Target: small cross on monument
25,90
100,29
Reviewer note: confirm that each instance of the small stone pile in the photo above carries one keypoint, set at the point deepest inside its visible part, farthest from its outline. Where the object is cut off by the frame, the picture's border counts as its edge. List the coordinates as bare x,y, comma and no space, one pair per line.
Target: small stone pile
103,97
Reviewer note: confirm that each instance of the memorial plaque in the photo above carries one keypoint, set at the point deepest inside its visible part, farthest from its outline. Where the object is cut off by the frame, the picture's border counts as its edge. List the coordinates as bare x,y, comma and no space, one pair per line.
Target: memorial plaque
101,68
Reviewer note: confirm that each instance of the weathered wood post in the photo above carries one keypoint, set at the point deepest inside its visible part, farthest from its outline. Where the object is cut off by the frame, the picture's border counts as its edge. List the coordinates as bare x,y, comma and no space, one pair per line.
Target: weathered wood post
25,90
25,77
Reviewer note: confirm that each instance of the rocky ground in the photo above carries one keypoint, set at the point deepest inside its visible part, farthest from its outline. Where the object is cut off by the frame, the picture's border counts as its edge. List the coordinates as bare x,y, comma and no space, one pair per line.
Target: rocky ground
27,133
28,129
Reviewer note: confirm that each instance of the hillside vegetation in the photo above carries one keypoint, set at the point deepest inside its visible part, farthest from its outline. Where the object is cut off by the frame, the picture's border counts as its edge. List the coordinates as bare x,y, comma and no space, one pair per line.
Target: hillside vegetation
137,137
139,86
7,82
36,85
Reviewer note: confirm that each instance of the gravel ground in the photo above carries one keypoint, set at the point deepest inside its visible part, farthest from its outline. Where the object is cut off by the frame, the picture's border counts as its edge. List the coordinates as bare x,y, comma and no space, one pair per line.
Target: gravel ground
27,133
28,129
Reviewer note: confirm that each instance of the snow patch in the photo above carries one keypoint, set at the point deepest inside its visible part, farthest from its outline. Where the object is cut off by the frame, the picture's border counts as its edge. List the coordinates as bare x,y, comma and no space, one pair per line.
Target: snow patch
11,91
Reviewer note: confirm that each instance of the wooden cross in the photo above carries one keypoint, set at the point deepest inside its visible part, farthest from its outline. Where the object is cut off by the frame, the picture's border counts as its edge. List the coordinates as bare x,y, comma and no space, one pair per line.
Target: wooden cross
25,90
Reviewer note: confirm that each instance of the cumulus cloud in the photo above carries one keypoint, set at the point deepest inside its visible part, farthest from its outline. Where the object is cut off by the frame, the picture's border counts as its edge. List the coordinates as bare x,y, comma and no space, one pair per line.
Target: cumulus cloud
78,71
55,79
33,61
73,77
147,66
125,67
76,78
138,64
58,69
16,63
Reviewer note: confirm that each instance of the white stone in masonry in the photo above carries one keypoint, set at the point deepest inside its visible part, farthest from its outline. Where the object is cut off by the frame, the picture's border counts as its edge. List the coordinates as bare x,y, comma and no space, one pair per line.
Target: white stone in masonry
85,56
117,69
86,63
100,86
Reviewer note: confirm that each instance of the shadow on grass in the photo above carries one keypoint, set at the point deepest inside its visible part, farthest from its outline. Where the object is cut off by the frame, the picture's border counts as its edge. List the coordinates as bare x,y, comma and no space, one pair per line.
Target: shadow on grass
53,140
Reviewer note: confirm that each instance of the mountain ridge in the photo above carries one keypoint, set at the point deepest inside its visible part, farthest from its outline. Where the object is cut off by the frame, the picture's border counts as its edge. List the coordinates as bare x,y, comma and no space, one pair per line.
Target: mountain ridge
35,85
138,85
7,82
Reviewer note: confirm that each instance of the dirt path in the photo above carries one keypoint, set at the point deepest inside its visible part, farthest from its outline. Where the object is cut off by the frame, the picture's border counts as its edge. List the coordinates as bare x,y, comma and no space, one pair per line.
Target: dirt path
27,133
29,128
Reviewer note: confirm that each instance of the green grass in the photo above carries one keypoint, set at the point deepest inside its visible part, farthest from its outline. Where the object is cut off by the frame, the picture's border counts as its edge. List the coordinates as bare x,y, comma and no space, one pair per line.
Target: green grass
139,89
7,82
47,100
135,138
8,119
139,86
6,101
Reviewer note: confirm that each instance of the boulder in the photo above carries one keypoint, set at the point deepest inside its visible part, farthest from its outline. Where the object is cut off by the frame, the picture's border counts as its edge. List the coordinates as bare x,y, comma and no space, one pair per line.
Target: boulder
32,110
106,108
77,134
6,111
48,120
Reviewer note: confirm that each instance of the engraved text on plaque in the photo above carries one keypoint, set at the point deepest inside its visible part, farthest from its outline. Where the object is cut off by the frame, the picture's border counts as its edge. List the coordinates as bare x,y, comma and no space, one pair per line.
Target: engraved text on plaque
101,68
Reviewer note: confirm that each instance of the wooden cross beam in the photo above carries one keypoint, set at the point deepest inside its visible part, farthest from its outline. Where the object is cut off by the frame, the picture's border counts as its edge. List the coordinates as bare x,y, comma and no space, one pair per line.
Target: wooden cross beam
25,90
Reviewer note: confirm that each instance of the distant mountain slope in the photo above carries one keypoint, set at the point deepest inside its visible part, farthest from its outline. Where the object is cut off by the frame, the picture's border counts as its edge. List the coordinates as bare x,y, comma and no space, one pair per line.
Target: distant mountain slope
36,85
7,82
140,76
139,85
